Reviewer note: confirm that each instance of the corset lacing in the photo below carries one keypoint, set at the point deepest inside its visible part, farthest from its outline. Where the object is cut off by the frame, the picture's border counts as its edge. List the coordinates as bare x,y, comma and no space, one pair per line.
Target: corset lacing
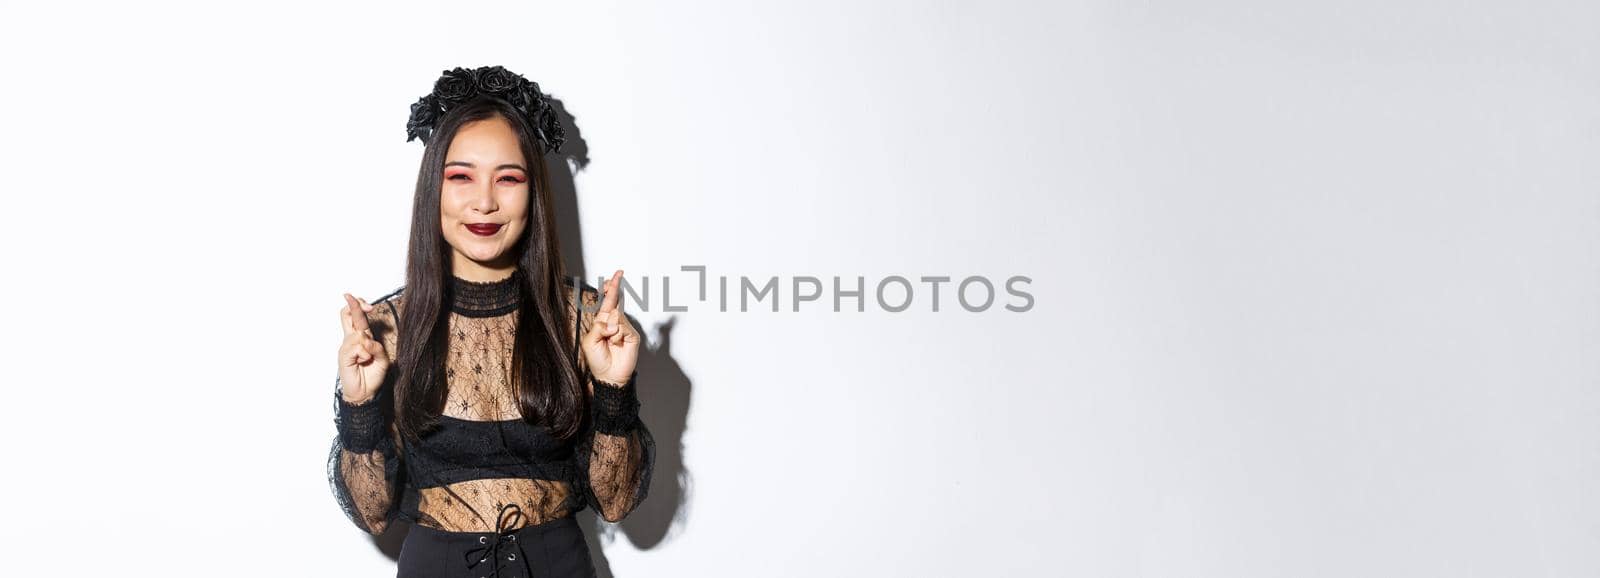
504,540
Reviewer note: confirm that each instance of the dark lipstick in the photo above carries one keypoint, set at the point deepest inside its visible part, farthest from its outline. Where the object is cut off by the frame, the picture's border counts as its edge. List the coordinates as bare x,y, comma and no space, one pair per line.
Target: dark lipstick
484,229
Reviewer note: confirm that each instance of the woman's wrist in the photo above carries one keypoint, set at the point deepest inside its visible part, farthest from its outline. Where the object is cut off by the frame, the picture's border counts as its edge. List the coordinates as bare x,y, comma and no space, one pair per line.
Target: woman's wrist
612,382
353,401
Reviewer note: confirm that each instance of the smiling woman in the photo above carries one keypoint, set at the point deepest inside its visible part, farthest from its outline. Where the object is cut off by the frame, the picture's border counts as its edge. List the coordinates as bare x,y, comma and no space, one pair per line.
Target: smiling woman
483,207
511,406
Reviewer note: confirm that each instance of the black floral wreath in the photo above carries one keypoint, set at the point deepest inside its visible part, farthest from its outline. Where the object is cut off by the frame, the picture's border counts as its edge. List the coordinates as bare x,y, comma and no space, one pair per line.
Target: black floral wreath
459,85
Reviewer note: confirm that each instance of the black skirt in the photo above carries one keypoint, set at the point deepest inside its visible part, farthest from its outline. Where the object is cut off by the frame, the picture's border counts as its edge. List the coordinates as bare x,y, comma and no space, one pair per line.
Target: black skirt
554,549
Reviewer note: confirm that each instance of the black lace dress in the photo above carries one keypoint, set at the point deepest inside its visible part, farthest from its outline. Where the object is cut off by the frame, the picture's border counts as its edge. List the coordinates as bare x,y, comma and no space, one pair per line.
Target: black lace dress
485,476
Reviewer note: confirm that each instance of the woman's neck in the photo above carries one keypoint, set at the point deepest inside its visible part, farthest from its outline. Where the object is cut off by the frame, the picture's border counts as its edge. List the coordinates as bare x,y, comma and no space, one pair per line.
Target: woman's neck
485,298
469,270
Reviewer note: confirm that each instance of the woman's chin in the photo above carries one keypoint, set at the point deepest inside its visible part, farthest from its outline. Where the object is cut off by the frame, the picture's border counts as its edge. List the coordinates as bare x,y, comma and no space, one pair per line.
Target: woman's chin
487,259
486,256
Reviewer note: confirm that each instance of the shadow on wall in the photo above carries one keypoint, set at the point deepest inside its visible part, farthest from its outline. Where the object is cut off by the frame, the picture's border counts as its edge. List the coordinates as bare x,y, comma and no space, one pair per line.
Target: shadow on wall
664,390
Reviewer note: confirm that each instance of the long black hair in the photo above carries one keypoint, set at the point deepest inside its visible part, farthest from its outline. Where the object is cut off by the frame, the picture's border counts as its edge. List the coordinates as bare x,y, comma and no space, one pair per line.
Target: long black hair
544,375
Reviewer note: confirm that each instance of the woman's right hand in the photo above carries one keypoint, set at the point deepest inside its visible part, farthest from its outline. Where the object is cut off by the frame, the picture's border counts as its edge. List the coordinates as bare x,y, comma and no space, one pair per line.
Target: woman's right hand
362,360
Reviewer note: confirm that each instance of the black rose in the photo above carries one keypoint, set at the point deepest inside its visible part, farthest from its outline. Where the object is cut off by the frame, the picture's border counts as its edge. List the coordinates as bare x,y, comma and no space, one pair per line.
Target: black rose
424,112
525,97
459,85
455,86
496,80
550,131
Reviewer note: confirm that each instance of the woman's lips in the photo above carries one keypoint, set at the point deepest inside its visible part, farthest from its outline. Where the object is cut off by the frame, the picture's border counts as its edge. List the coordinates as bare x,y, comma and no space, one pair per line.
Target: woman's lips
484,229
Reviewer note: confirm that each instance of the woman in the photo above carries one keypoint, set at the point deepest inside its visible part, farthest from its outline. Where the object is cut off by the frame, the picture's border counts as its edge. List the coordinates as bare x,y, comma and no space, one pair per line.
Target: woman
479,401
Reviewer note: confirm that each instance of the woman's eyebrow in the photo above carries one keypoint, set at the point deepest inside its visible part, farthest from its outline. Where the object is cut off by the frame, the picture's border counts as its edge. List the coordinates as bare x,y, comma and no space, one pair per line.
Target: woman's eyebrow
470,165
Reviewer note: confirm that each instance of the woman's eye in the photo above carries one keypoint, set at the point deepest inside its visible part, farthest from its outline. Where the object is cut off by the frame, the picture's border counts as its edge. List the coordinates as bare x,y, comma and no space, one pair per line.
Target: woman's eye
510,179
457,177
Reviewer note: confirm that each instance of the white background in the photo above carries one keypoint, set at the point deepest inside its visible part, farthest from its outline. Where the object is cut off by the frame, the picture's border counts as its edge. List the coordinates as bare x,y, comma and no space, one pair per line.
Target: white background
1315,283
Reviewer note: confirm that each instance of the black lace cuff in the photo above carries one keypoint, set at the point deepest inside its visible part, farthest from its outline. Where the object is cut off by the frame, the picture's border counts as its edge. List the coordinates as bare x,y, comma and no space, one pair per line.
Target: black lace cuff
615,408
361,427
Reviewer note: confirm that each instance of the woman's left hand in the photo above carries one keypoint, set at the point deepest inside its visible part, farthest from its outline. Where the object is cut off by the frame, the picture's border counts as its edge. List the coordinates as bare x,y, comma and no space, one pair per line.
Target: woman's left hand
610,344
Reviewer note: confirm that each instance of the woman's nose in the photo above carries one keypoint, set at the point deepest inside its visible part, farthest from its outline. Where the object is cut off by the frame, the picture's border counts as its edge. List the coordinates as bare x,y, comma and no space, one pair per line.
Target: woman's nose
483,197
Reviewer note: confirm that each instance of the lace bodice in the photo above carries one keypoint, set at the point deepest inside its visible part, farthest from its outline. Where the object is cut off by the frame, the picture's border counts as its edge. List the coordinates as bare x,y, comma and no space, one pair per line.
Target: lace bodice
484,457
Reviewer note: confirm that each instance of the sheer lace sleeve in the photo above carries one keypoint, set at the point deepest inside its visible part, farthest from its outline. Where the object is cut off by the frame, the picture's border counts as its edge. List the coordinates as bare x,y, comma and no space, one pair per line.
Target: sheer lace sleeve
364,467
615,453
